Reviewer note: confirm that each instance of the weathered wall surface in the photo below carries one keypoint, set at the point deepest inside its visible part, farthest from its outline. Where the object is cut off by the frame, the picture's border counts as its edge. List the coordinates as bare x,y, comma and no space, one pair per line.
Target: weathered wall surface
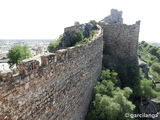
114,18
59,89
121,41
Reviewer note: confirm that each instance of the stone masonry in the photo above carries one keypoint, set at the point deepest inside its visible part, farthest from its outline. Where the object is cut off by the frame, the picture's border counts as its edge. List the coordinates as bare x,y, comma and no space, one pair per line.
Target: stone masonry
120,40
59,86
57,89
114,18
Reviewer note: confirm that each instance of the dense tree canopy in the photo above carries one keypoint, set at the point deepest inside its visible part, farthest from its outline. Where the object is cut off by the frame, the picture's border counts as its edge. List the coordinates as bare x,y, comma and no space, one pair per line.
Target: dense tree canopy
18,53
110,102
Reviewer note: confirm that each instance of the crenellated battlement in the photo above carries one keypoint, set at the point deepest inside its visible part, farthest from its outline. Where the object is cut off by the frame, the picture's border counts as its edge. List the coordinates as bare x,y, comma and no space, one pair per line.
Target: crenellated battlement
58,85
53,80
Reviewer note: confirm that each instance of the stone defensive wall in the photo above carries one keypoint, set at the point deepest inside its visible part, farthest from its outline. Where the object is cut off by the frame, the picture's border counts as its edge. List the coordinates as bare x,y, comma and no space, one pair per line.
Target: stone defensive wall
121,41
56,87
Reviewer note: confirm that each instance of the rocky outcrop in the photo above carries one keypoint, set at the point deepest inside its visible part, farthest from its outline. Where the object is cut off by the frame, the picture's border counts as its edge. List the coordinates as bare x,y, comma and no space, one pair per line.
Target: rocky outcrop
149,106
69,31
144,67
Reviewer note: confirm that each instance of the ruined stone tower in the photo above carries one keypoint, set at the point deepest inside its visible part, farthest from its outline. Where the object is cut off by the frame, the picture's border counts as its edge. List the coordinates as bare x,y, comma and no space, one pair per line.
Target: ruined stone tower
59,87
120,40
114,18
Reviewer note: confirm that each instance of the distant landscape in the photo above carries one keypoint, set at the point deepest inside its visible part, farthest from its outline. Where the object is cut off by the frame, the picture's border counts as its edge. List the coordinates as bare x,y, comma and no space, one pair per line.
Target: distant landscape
93,71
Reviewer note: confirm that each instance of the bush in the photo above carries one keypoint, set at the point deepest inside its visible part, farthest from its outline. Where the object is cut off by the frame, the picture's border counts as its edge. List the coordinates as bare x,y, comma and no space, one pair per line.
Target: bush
158,87
108,75
109,102
155,76
153,50
128,73
144,43
77,37
156,67
53,45
93,22
148,46
146,90
158,51
150,62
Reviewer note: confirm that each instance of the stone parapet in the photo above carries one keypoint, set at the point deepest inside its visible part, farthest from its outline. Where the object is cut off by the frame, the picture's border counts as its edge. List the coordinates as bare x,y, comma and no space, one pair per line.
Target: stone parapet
57,89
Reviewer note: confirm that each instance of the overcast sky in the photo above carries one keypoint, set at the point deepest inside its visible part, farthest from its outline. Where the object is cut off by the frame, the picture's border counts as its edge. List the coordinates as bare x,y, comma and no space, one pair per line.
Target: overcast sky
46,19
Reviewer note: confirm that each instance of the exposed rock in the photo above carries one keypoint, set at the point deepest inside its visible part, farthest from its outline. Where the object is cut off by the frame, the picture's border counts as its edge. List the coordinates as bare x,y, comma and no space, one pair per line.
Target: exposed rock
69,31
144,67
151,107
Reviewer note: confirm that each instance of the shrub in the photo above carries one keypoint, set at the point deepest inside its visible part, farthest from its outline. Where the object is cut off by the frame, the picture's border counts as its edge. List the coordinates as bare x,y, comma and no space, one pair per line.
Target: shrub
77,37
93,22
108,75
146,90
156,67
148,46
145,44
158,87
158,51
53,45
109,102
153,50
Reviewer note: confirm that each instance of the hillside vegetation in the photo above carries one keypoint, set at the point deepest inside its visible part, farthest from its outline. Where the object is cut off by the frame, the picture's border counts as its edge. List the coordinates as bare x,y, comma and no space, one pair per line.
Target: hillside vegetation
76,37
151,55
120,92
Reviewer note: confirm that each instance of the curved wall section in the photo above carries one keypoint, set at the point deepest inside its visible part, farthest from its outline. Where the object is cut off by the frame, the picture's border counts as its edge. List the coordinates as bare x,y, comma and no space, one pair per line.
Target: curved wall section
58,89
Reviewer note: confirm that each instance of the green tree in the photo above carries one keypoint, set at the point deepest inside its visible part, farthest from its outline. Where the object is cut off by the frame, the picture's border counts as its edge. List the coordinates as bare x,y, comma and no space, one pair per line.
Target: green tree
76,37
144,43
26,52
52,45
105,87
153,50
108,75
110,102
158,51
93,22
18,53
156,67
146,90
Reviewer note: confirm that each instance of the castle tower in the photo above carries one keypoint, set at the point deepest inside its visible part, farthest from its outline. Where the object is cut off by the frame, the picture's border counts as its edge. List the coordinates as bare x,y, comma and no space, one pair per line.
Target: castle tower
114,18
120,40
